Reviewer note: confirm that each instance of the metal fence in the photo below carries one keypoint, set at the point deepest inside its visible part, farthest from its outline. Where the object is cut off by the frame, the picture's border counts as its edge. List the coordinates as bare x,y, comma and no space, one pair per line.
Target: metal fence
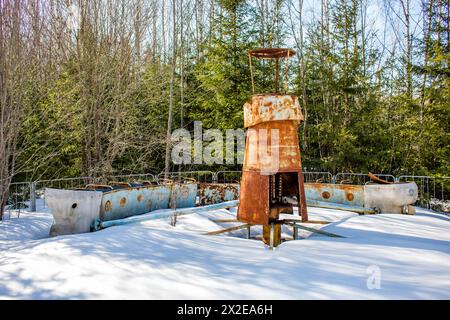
126,178
235,176
24,194
360,178
430,188
64,183
323,177
20,197
228,176
198,176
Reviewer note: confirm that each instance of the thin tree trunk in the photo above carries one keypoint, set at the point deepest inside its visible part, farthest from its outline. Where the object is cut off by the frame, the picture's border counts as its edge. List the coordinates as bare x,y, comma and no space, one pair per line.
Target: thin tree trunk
181,70
172,81
302,73
406,12
427,37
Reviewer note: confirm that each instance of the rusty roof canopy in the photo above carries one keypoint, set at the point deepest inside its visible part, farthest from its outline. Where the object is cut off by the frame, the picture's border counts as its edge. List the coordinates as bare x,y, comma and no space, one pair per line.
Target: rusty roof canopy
269,53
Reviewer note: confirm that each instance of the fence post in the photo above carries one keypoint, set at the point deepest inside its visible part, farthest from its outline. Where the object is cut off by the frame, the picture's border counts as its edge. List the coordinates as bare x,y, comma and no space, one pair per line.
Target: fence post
215,178
33,196
333,179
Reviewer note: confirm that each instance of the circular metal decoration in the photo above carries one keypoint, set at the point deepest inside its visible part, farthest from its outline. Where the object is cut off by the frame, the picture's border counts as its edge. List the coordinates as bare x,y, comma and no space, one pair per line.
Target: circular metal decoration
108,206
140,197
326,195
185,192
123,201
349,196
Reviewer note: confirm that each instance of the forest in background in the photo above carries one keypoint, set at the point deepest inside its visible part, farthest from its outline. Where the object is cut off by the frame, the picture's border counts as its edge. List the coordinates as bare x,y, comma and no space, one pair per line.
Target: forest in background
91,87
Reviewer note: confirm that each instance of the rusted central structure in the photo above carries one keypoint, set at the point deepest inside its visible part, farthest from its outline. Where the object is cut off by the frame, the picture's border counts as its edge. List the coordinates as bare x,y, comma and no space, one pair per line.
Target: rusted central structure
272,178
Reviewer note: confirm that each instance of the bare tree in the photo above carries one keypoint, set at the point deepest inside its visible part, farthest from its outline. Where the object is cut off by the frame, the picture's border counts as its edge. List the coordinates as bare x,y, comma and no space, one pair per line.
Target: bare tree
172,81
408,43
15,70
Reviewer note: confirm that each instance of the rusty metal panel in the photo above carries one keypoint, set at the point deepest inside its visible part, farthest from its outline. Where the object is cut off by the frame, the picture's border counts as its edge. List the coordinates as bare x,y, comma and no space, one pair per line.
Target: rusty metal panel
302,207
254,198
210,193
272,153
288,147
272,107
276,236
351,195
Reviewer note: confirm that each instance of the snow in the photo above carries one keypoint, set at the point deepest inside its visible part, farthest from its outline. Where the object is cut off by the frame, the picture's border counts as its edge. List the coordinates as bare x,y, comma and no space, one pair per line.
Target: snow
19,225
153,260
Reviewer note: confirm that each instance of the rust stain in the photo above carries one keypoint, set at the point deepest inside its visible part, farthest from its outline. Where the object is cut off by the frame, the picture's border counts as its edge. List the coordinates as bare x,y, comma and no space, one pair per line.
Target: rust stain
108,206
338,193
375,179
267,114
346,187
277,234
149,183
140,197
288,147
120,184
184,192
269,107
122,202
326,195
210,193
97,187
253,200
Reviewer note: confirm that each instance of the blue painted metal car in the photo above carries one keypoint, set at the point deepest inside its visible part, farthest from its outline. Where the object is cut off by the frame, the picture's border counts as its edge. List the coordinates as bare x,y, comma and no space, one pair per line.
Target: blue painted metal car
74,210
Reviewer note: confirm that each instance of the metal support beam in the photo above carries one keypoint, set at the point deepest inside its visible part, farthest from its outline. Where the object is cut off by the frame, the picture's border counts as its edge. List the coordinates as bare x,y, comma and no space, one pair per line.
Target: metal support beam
33,196
98,224
242,226
325,233
272,230
340,206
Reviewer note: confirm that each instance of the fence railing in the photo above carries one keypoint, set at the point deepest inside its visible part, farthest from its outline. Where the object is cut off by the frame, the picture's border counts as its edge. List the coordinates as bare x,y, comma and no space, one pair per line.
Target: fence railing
228,176
127,178
323,177
20,196
199,176
429,188
24,194
360,178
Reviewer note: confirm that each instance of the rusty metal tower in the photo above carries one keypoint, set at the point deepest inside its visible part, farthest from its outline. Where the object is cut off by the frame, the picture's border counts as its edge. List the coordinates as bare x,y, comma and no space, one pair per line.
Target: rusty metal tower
272,180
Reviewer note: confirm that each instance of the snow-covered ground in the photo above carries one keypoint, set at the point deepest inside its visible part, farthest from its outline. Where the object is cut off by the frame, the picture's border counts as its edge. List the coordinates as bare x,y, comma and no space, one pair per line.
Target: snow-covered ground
19,226
381,257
